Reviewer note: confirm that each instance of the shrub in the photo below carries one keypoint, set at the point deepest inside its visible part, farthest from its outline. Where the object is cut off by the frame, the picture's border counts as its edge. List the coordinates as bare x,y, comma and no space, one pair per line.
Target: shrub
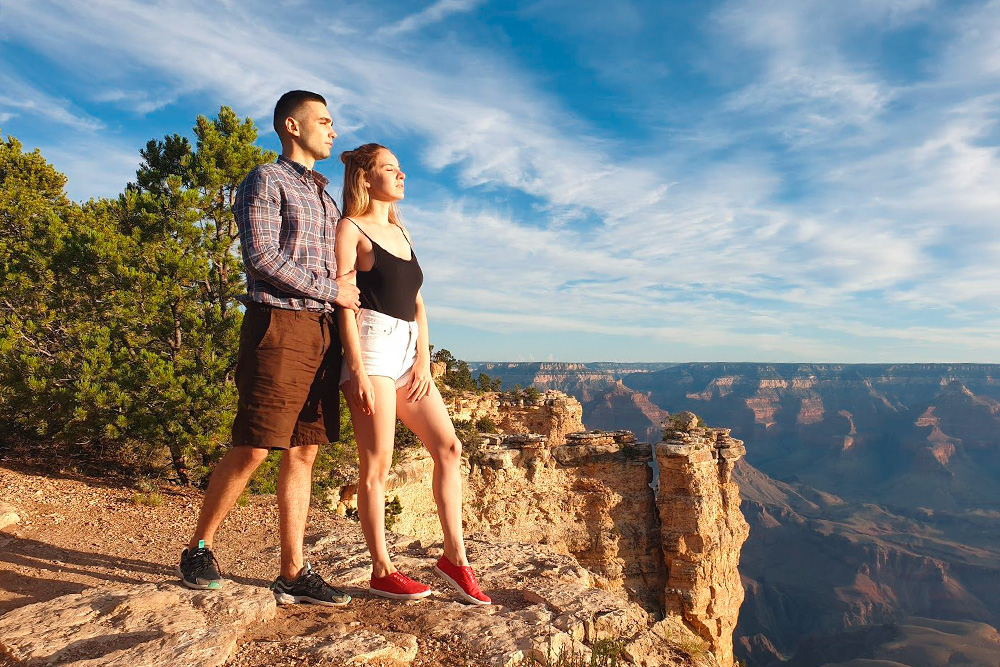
486,425
393,509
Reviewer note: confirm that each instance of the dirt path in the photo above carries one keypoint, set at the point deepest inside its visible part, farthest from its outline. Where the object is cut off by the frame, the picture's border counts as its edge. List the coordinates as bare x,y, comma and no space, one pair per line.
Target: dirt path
78,532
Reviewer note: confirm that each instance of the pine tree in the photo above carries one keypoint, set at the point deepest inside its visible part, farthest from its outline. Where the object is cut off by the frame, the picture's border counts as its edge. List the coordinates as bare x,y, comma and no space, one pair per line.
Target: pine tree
34,211
120,321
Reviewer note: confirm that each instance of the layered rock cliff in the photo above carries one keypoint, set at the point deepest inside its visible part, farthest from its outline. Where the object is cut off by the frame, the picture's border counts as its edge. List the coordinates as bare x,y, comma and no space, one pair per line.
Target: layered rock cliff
593,495
68,598
702,530
552,415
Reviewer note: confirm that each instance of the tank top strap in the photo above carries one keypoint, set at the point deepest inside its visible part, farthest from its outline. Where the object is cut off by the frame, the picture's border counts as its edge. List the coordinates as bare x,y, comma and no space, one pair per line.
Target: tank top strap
405,238
361,230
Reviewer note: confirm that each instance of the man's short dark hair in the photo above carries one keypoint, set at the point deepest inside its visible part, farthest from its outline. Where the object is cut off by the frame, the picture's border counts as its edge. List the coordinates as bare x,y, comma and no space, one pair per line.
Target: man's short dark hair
289,103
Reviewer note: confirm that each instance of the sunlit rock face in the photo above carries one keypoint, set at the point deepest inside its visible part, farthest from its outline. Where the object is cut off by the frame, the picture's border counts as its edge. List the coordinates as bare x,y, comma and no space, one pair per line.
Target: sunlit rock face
702,529
872,492
591,494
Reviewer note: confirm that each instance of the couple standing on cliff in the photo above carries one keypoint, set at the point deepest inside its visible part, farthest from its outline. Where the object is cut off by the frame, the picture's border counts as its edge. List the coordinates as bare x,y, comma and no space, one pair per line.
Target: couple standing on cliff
318,280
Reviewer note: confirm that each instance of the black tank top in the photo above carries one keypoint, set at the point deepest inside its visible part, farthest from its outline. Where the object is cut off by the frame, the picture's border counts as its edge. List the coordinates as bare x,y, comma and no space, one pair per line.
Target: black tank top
391,285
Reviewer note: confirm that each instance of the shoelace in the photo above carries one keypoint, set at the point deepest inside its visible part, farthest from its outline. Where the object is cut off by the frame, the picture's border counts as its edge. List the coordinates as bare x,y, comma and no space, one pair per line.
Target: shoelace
200,559
313,582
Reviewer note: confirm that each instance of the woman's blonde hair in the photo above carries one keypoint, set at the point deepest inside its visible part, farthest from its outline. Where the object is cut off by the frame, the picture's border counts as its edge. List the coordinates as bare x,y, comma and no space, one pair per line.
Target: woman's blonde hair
360,165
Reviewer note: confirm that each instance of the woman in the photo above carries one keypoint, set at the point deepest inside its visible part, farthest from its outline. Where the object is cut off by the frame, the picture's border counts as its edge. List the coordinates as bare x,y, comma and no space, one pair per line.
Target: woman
387,372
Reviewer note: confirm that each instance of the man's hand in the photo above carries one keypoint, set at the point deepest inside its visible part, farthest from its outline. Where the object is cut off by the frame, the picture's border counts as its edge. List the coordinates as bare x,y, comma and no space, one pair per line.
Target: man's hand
348,294
359,392
420,382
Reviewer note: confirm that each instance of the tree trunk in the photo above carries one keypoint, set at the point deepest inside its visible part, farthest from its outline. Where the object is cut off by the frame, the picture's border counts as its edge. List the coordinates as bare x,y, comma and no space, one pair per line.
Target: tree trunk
180,464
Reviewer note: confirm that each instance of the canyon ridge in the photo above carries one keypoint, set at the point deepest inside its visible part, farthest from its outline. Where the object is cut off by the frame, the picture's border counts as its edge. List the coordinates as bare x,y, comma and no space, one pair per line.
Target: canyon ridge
872,492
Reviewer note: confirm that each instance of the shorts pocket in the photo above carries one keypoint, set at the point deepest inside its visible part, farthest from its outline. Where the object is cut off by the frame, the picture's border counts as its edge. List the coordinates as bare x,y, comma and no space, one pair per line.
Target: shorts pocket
375,330
269,325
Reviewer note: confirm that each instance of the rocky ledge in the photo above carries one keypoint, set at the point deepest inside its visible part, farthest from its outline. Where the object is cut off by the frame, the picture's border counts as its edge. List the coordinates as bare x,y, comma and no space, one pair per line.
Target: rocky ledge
546,604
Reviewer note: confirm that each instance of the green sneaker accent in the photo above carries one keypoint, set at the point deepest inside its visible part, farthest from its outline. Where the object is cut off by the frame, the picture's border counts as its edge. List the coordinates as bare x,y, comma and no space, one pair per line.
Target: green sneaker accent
199,570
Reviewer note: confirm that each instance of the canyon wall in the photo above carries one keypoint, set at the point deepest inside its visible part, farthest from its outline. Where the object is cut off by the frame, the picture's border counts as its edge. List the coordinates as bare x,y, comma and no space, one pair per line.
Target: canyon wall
593,495
702,530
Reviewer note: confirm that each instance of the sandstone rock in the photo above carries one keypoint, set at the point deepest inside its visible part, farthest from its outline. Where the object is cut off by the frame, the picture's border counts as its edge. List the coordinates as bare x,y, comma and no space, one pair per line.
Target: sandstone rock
588,614
667,643
684,421
553,417
8,515
133,626
702,532
502,637
675,553
362,646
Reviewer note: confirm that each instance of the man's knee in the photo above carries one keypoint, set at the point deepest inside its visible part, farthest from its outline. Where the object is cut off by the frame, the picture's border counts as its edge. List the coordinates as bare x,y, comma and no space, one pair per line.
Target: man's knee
302,455
247,457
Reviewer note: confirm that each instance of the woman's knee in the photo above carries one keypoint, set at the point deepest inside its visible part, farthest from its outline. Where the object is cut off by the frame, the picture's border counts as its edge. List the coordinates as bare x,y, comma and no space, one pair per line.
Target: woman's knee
373,477
450,450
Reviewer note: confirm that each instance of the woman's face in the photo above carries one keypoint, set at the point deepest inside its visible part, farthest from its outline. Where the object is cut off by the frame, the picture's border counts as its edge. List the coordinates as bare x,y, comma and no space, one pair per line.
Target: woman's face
386,183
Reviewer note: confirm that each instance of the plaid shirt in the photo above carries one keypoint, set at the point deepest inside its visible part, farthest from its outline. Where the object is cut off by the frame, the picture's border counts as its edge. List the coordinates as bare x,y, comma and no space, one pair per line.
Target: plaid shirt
287,222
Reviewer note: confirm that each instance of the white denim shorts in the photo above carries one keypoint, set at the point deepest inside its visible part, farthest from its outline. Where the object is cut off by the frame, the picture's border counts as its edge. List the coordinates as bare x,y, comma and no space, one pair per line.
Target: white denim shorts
388,346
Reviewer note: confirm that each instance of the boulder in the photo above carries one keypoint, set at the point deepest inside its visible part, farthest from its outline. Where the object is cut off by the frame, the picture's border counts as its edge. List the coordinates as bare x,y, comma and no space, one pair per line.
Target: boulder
8,515
135,626
362,646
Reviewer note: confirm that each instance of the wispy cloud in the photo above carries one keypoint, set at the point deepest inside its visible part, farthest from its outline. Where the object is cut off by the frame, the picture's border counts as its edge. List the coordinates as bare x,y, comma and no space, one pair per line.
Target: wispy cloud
811,202
430,15
20,98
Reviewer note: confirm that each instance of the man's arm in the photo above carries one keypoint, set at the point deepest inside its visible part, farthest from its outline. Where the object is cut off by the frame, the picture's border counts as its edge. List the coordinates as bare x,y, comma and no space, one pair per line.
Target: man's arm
358,390
258,216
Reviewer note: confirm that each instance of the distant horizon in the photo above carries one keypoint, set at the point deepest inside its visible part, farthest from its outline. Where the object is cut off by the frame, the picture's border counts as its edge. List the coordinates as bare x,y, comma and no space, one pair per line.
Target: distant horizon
724,179
754,363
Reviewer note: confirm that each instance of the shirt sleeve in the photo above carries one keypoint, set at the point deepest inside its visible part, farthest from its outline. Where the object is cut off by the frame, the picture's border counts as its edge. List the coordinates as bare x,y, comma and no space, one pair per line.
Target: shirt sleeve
257,210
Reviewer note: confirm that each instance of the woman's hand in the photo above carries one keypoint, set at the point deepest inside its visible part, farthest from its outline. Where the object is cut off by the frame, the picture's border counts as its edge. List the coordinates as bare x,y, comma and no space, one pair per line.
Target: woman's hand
359,392
420,381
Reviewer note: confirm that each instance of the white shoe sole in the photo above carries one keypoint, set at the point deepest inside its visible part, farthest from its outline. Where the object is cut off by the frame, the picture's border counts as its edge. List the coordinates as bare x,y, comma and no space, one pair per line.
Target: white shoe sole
461,592
210,586
287,598
400,596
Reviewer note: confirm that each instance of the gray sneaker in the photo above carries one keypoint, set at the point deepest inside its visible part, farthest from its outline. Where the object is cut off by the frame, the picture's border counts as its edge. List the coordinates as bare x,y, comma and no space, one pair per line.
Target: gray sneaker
310,588
199,569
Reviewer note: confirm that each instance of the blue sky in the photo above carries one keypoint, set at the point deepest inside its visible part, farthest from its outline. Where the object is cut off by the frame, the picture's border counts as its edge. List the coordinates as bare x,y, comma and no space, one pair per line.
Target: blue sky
755,180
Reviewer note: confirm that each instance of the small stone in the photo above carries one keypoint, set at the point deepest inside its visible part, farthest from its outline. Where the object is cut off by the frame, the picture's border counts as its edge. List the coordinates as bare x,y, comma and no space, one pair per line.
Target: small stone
362,646
8,515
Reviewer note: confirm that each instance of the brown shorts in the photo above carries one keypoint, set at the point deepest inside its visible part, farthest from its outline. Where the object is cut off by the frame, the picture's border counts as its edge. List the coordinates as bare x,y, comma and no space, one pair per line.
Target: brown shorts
286,375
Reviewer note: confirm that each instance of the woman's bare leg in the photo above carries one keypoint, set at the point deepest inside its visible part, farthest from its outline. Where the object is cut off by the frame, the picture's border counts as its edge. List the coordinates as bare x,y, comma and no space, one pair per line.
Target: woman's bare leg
375,435
428,419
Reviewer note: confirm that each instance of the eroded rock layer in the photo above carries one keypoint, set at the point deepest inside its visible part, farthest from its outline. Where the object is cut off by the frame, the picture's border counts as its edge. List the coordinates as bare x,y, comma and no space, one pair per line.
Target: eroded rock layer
592,495
702,531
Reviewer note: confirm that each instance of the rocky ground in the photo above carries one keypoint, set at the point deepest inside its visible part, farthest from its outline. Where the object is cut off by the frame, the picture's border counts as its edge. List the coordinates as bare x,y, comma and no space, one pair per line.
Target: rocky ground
87,577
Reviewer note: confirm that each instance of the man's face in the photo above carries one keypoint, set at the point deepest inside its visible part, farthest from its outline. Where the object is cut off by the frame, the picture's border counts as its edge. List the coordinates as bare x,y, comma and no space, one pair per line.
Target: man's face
313,129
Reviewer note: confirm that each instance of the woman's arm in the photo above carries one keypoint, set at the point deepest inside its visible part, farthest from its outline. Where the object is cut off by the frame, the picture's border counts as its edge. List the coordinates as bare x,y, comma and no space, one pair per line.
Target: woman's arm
358,390
420,377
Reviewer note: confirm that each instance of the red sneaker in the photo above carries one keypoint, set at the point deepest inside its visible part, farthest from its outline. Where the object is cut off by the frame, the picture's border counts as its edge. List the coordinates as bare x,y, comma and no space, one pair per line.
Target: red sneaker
398,586
463,580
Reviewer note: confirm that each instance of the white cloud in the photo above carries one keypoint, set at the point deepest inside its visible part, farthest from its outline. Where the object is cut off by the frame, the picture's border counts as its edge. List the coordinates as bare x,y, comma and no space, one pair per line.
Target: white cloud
430,15
814,206
19,98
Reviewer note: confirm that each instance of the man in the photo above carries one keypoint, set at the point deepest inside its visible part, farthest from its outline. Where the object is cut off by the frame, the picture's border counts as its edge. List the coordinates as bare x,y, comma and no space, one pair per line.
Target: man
289,354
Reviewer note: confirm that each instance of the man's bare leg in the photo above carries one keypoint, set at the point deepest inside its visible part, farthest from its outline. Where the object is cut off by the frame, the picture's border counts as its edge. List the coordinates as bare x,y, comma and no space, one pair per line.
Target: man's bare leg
294,490
228,480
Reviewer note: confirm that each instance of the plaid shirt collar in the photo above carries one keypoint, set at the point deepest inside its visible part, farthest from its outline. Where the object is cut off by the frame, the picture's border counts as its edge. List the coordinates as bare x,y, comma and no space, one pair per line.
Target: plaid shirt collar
303,172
